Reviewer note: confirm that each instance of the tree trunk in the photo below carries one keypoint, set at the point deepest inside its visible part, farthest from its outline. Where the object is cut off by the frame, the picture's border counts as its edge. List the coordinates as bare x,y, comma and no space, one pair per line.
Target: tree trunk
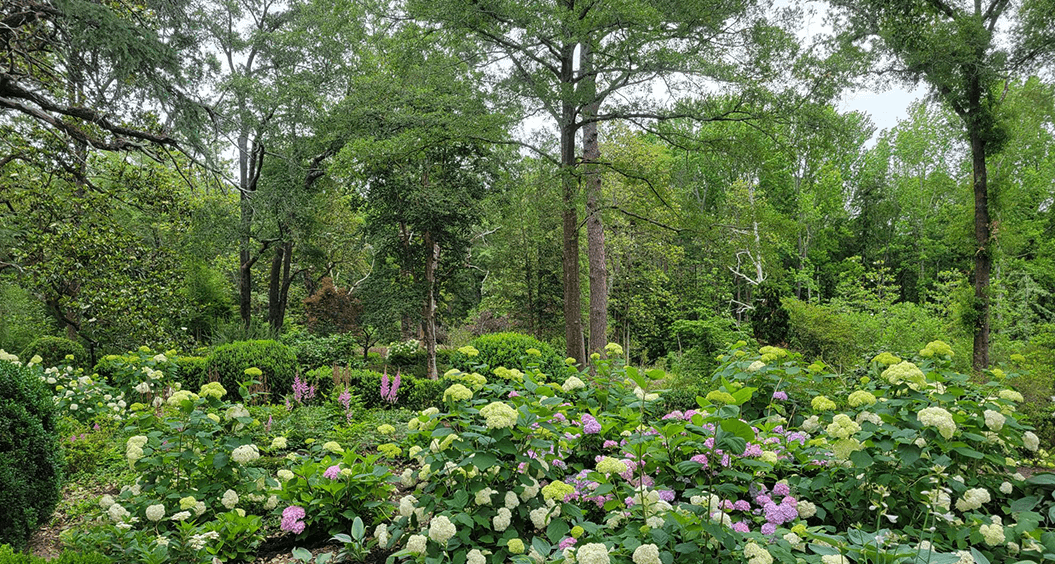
570,217
595,235
432,260
982,255
594,227
278,286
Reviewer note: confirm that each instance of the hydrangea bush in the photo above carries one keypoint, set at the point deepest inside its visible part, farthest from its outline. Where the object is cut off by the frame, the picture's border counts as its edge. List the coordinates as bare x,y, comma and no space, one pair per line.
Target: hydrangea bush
912,463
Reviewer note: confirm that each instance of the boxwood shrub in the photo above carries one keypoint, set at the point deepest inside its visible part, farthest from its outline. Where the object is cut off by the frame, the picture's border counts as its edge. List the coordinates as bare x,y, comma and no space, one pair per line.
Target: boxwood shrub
53,351
31,461
277,362
510,350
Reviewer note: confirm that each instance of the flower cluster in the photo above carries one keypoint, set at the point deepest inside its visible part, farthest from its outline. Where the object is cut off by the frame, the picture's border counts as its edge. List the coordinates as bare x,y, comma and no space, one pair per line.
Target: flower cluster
390,389
291,519
935,416
499,415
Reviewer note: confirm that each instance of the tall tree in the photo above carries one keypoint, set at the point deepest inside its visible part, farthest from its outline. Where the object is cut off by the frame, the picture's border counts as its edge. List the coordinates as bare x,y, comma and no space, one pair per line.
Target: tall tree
958,49
581,62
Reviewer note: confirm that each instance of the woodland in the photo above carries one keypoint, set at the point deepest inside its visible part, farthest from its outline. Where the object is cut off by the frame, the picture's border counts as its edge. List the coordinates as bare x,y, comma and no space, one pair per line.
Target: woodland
251,222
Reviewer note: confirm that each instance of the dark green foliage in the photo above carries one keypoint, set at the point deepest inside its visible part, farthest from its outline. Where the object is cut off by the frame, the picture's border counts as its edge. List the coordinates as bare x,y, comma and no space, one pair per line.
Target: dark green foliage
54,350
414,393
22,317
9,556
682,395
314,351
510,350
206,289
1035,378
702,339
769,320
277,362
30,457
192,371
819,332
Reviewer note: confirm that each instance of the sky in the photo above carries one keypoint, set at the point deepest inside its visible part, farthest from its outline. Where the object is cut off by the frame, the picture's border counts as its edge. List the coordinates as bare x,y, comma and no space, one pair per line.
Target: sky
886,107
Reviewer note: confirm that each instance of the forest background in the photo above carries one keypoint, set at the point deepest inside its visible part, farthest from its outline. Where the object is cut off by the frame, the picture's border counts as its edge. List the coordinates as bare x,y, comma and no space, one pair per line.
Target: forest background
670,176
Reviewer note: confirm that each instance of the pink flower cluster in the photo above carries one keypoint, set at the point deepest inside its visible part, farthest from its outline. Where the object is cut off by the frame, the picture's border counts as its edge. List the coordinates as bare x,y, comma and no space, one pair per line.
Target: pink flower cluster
390,389
302,391
333,472
590,425
291,519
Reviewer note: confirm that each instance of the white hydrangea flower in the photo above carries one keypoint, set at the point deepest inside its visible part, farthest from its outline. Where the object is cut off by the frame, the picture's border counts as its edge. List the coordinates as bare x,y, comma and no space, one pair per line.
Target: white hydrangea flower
756,554
937,417
502,519
1006,488
229,499
806,509
441,529
512,502
1031,441
573,383
416,544
593,553
483,497
475,557
646,554
994,420
381,534
973,499
993,534
155,512
245,454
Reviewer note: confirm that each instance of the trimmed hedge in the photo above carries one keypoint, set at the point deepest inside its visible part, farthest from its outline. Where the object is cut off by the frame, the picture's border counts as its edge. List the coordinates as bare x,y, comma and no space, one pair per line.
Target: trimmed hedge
316,352
414,393
9,556
54,351
31,461
510,350
277,362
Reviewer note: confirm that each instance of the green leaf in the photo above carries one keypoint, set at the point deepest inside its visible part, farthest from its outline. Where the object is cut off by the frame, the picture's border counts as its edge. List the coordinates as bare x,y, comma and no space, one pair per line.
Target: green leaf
302,554
460,499
861,458
1025,504
557,530
220,460
908,453
968,452
1044,479
358,529
738,428
979,558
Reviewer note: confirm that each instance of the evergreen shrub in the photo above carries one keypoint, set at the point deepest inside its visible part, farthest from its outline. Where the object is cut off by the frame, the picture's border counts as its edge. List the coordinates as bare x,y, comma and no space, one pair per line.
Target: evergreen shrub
54,350
276,361
510,351
414,393
315,351
9,556
31,461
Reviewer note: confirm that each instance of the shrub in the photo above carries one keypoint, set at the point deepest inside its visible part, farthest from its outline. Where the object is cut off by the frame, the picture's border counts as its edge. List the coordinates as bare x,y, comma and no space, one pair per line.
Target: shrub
315,351
192,371
819,332
509,350
414,393
770,319
54,351
9,556
275,360
30,456
141,374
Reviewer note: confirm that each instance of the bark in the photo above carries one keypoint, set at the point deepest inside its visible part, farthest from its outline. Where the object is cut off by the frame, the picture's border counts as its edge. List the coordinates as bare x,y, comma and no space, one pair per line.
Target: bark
570,217
432,261
982,256
595,237
278,286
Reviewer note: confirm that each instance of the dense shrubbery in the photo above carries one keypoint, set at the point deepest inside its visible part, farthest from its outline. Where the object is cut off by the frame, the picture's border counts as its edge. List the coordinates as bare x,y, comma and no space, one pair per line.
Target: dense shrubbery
413,392
54,350
9,556
509,350
30,455
315,351
276,362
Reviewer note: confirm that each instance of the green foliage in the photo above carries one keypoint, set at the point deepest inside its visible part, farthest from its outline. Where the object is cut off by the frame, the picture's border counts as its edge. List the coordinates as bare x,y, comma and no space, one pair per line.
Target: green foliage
406,353
54,350
22,317
276,360
770,319
141,374
315,351
820,332
192,370
358,488
509,350
414,392
701,339
9,556
31,464
210,298
88,446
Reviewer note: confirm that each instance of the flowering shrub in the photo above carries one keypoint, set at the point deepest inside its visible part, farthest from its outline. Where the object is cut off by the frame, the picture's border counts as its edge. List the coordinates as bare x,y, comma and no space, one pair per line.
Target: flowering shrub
548,472
141,374
329,487
198,494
